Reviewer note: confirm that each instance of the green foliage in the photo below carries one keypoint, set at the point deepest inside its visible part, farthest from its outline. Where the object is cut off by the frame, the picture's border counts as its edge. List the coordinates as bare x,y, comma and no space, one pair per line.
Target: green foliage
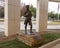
33,10
14,44
53,15
50,37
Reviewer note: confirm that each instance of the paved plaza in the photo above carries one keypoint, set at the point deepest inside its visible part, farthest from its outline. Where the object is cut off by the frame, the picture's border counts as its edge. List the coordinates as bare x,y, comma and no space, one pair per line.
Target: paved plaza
34,26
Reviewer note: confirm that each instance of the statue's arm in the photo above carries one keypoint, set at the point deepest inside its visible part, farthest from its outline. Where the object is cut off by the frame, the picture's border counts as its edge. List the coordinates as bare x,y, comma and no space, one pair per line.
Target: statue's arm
26,14
31,15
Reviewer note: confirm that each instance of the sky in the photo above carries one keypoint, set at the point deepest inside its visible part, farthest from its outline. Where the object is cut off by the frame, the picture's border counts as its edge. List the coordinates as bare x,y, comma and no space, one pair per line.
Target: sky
52,6
1,3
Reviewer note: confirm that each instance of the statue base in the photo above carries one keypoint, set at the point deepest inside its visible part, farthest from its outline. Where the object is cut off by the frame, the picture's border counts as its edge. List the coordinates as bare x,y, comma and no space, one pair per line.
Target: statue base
31,40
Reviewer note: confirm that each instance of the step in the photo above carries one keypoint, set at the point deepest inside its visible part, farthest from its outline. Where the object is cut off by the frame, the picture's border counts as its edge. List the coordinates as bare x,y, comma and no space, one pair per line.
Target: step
30,40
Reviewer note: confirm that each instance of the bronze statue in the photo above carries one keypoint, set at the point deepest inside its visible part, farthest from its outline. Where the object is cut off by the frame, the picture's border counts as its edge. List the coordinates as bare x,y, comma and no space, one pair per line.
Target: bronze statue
28,16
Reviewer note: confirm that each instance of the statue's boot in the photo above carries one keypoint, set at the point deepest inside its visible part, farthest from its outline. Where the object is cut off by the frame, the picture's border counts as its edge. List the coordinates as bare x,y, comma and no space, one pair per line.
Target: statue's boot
25,31
32,33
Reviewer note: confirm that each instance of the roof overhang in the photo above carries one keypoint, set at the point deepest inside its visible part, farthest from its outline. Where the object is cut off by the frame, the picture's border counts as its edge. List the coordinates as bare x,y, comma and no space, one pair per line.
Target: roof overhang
49,0
2,0
54,0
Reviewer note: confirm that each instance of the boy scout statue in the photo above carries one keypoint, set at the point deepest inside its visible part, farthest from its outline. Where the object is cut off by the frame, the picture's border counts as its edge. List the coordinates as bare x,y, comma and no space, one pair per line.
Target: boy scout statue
28,16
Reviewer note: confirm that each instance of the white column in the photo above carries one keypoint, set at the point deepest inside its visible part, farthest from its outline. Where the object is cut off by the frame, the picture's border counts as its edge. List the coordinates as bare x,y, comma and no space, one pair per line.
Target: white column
42,15
12,17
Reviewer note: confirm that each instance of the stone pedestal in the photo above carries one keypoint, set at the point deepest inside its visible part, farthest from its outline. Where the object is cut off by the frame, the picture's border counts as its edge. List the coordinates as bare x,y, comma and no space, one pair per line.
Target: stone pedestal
31,40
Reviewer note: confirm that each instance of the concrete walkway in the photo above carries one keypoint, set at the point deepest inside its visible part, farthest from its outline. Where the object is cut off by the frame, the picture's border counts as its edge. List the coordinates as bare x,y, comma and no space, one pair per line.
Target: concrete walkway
34,26
56,46
53,44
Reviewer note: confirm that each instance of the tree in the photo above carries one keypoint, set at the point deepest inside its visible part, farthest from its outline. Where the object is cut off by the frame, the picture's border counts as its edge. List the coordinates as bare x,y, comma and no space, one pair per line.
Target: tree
56,16
33,10
51,15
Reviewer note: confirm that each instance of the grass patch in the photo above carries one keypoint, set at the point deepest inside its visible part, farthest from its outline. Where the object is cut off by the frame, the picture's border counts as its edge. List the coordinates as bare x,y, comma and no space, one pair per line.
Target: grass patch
54,23
49,37
13,44
17,44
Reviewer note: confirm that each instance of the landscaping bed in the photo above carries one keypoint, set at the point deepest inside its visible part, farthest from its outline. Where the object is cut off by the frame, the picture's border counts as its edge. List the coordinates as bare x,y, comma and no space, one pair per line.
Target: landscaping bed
18,44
